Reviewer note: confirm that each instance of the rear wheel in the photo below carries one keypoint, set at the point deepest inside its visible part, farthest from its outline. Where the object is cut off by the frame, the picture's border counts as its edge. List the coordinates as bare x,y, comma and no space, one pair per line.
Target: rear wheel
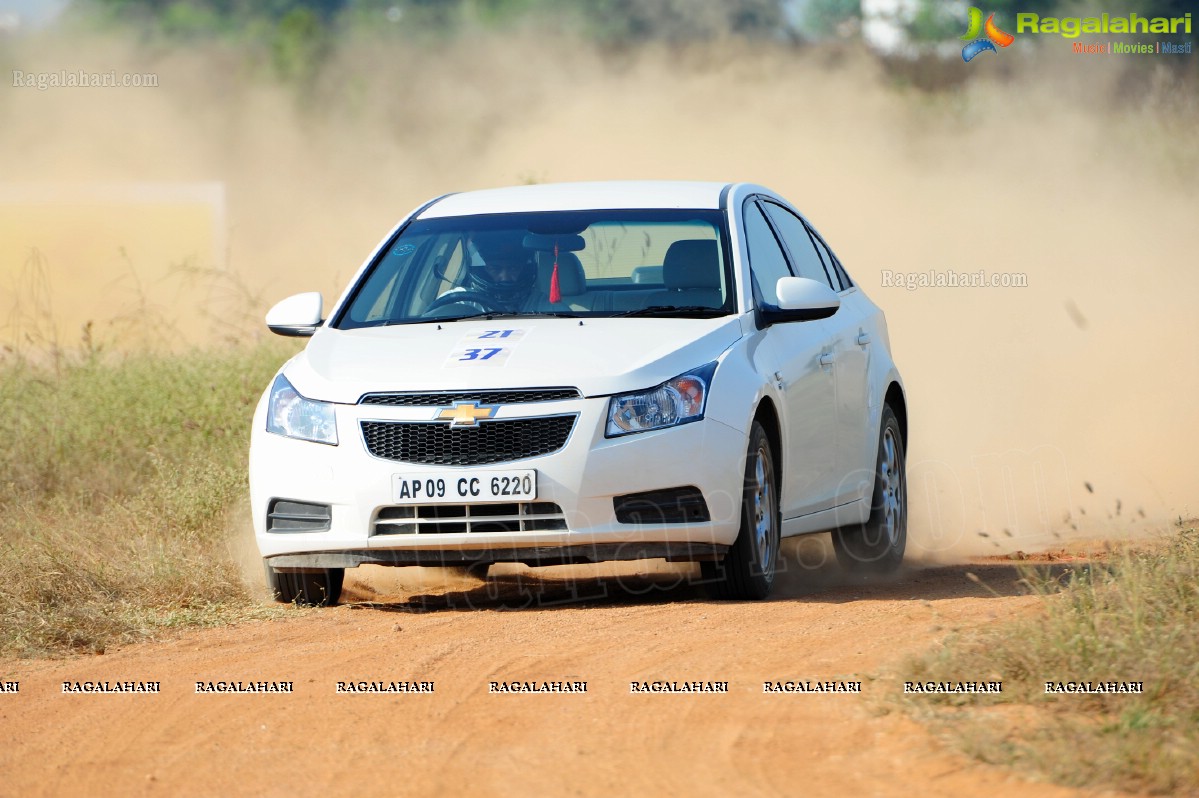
748,571
877,546
319,589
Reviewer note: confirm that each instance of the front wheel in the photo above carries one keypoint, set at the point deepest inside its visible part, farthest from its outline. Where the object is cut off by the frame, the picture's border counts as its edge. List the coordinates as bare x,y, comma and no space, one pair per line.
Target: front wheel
748,571
877,546
319,589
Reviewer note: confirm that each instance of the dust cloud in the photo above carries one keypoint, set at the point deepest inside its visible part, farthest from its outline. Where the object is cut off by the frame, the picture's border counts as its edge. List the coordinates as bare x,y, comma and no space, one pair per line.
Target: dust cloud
1057,171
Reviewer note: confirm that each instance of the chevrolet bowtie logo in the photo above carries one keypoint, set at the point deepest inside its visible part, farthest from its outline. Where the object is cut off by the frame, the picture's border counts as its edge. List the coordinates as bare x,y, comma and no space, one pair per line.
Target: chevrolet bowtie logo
466,414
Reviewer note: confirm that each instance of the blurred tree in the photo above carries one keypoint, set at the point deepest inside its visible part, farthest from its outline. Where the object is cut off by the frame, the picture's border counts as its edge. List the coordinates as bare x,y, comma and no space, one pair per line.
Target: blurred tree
608,20
188,20
675,20
824,18
944,22
296,33
299,44
192,15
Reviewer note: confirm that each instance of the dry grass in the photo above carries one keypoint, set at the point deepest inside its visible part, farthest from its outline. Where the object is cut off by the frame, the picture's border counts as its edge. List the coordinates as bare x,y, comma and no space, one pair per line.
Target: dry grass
1133,616
115,492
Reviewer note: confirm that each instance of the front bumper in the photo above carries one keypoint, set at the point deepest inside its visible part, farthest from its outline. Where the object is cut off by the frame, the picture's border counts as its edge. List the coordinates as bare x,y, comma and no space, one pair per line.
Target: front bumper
582,478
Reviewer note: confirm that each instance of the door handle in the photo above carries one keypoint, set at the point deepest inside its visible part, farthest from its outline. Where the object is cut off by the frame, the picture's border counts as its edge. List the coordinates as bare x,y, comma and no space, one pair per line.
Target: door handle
863,338
826,359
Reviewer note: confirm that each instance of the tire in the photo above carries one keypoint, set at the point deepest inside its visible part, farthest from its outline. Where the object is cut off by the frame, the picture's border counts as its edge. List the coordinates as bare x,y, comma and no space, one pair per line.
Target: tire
748,570
319,589
878,545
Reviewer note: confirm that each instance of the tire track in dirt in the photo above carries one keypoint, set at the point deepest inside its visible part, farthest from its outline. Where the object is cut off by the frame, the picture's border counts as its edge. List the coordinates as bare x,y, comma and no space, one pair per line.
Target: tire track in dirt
465,634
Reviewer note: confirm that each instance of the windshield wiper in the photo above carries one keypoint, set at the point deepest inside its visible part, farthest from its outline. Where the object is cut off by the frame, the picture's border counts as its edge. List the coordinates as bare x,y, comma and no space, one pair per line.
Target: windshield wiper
682,311
485,316
441,319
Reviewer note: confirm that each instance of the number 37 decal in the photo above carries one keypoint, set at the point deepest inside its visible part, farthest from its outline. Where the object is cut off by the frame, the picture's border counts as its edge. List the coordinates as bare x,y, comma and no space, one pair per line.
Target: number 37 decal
487,353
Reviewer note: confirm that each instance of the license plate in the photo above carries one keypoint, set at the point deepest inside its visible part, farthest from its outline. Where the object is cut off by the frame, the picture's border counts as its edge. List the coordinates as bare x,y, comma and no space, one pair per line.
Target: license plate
467,487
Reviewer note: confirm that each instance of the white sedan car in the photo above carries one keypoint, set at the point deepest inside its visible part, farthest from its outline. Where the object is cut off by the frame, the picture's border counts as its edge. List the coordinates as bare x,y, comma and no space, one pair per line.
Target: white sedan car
577,373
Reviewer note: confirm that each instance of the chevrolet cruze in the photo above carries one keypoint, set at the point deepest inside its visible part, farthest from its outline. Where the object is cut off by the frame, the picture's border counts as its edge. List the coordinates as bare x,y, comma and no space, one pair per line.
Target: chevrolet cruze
578,373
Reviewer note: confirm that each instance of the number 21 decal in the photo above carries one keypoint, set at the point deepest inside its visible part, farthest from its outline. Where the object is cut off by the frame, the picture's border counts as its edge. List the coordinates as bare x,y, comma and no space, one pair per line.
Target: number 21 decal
496,333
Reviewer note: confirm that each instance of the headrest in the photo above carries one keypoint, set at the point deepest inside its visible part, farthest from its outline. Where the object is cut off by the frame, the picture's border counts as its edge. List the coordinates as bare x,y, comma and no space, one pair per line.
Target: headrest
571,279
691,263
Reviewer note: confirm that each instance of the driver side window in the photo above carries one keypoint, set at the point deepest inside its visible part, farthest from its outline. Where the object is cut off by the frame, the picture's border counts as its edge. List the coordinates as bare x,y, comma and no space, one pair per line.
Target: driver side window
766,260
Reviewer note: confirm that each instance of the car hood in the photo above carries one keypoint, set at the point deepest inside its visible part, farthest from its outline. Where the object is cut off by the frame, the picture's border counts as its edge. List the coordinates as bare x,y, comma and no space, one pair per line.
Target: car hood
599,356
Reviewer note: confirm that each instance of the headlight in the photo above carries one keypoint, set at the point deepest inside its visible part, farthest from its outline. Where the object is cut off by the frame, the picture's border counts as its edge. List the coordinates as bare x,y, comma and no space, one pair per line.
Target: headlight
292,415
674,402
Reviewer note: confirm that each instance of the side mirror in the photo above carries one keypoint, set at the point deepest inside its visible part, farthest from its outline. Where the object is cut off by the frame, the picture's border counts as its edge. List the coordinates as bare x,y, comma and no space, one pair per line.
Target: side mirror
801,299
297,316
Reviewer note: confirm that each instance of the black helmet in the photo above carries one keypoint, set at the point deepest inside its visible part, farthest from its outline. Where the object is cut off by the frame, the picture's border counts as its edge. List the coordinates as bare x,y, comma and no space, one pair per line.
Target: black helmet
505,252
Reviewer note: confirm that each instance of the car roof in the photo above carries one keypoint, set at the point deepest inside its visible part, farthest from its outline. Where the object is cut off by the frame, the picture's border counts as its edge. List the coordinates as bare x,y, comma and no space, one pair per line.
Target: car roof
580,196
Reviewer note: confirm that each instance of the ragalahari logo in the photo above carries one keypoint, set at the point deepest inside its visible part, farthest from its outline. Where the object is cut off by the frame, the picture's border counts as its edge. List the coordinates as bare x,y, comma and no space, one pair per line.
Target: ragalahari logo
994,36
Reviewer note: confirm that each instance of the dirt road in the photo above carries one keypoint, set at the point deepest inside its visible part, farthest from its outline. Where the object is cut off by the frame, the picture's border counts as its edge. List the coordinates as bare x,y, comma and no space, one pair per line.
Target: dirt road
523,626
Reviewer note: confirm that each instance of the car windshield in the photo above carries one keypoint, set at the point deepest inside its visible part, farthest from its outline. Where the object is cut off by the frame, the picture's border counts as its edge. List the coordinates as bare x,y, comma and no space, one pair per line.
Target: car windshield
667,262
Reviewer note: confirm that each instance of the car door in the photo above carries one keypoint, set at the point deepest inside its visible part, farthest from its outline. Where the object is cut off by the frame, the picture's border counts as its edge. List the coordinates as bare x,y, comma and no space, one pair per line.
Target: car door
847,347
857,437
797,349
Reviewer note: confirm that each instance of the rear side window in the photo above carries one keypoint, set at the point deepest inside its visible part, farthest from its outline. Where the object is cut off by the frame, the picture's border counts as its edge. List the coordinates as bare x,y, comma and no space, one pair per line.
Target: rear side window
830,259
845,281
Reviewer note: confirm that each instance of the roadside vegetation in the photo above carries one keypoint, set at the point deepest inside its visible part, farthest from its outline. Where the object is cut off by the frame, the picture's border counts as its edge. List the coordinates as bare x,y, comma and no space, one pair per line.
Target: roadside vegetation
119,477
1129,617
294,39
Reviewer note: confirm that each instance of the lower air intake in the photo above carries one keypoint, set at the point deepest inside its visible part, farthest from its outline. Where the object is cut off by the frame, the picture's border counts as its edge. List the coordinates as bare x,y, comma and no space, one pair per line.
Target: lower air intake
455,519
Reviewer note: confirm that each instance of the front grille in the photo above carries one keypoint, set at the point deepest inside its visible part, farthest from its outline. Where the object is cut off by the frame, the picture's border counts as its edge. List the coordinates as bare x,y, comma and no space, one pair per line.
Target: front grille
452,519
429,443
489,397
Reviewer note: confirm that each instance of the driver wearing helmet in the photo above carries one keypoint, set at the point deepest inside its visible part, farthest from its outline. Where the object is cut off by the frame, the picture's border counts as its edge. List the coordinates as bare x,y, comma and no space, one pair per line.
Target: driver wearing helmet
507,273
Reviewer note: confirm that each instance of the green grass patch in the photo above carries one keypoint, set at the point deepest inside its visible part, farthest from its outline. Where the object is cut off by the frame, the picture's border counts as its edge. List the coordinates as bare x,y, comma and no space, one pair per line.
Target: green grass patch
1134,616
116,493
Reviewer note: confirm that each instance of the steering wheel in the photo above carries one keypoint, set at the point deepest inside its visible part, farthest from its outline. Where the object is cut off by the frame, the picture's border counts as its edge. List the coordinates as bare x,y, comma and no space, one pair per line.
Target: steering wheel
478,299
